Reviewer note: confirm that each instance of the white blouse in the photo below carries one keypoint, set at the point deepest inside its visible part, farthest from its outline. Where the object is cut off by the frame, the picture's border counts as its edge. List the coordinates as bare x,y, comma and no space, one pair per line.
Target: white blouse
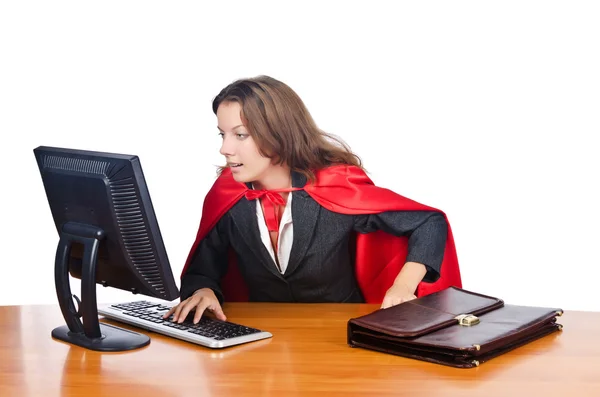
286,233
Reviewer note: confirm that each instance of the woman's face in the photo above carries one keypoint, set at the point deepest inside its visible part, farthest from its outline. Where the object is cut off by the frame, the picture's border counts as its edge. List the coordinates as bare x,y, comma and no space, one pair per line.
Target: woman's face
239,149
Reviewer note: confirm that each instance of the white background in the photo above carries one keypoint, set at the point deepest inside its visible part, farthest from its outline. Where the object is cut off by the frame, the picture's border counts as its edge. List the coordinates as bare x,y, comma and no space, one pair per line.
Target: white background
488,112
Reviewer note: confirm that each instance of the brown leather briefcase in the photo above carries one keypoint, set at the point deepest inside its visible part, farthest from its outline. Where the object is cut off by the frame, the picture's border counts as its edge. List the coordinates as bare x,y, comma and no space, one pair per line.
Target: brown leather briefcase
453,327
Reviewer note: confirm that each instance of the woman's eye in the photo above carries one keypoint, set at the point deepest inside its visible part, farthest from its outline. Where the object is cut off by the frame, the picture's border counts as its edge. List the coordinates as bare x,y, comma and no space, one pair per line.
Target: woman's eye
221,134
241,136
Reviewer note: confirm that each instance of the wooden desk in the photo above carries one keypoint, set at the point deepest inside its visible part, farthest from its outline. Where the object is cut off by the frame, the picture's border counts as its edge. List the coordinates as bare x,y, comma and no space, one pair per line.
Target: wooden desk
307,355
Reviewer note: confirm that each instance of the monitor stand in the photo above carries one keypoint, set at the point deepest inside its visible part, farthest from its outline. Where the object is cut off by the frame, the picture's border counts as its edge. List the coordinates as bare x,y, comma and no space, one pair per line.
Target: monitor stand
91,334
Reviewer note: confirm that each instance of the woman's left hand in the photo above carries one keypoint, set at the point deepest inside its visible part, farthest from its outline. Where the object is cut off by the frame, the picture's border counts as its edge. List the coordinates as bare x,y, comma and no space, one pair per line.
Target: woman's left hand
398,293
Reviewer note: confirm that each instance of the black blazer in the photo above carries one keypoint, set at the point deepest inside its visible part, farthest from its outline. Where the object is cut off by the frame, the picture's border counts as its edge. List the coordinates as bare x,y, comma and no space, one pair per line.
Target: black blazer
321,265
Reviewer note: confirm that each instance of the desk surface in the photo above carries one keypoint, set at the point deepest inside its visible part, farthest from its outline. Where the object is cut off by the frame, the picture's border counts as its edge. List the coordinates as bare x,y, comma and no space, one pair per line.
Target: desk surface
307,355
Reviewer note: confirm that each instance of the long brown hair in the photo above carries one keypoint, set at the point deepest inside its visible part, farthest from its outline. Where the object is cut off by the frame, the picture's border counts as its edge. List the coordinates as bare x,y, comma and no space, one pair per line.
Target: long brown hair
282,127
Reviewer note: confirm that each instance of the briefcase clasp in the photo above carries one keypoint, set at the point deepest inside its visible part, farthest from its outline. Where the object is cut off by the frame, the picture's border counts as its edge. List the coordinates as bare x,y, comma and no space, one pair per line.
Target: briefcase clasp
467,320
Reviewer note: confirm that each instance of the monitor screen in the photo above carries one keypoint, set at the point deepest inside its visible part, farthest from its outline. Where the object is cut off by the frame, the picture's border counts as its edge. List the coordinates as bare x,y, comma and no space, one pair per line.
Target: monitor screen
108,231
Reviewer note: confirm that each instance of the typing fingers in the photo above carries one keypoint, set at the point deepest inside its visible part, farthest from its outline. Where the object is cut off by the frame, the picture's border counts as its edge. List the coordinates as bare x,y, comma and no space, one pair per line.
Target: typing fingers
177,310
167,314
184,308
218,312
202,306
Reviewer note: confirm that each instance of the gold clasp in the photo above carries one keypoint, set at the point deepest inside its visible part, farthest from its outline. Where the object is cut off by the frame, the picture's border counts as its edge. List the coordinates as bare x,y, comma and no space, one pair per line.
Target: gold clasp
467,319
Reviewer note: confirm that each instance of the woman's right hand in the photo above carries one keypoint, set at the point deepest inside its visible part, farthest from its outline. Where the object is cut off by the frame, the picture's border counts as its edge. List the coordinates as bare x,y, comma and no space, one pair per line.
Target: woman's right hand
203,299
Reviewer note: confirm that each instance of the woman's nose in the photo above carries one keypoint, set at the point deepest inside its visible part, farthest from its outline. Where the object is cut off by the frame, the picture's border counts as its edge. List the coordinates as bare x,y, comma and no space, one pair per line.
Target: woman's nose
227,147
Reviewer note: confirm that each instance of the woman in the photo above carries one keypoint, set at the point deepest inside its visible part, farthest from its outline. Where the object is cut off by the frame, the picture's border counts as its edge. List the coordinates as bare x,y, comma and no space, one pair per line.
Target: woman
288,202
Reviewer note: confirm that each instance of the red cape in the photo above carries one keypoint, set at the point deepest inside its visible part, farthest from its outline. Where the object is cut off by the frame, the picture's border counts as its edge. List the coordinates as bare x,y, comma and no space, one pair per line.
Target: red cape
347,190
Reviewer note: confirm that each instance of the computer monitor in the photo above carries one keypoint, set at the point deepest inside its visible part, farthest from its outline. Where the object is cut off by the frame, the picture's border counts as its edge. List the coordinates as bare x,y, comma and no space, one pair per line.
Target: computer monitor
108,235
